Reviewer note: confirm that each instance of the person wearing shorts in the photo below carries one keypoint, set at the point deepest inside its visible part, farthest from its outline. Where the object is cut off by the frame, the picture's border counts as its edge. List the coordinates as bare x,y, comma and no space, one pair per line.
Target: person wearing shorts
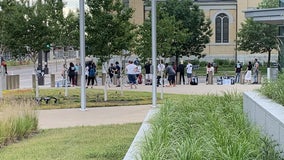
171,75
189,72
131,70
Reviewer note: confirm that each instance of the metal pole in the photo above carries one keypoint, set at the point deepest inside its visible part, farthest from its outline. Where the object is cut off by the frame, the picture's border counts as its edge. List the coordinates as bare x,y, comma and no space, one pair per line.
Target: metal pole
154,54
82,55
2,76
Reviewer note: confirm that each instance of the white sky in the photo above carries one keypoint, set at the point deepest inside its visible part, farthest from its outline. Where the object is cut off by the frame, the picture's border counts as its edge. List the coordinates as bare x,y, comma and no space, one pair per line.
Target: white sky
72,4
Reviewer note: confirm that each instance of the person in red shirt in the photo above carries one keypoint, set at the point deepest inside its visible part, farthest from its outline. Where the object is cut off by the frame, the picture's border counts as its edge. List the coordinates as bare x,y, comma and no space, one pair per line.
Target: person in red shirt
4,64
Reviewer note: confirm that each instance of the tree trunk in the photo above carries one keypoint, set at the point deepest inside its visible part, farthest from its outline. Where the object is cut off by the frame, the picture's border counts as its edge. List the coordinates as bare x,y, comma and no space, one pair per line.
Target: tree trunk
269,57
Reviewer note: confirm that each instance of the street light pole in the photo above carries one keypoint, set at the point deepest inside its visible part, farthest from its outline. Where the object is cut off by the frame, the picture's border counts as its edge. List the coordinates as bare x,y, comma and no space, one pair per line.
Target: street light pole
154,54
82,55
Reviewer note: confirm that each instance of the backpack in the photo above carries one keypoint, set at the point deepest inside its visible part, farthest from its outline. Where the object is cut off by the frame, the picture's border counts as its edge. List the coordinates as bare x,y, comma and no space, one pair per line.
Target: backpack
92,72
194,80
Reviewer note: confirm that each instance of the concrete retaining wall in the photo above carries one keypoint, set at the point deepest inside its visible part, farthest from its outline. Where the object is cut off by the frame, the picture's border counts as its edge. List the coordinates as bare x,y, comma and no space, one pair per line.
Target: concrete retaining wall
266,114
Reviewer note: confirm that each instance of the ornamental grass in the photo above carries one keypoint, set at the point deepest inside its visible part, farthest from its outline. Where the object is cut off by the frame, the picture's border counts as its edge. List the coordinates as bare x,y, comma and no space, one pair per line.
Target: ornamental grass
205,127
17,120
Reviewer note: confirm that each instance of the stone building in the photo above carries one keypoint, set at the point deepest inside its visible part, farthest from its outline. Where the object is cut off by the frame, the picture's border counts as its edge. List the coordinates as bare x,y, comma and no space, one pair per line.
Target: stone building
226,17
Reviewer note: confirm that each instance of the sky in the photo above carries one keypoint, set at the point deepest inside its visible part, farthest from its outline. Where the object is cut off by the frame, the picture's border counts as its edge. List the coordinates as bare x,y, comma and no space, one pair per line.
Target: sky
72,4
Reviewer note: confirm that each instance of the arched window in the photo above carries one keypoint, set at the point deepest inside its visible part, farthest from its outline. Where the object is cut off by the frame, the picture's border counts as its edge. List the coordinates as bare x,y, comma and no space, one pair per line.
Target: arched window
222,28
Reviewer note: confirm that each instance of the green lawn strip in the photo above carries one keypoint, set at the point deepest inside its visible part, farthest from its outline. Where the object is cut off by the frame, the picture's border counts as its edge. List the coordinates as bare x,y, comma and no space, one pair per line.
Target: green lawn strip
94,97
109,142
205,127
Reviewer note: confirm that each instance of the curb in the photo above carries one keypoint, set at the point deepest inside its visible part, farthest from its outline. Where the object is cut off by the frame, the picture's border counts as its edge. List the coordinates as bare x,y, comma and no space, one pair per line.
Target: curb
134,149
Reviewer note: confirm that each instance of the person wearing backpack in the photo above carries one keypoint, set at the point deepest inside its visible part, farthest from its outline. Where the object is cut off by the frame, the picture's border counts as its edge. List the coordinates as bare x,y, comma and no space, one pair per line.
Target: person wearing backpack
92,74
238,69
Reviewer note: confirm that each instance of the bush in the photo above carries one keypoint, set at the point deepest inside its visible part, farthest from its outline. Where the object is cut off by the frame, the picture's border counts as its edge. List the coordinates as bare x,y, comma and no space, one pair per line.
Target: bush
221,62
18,121
205,127
274,89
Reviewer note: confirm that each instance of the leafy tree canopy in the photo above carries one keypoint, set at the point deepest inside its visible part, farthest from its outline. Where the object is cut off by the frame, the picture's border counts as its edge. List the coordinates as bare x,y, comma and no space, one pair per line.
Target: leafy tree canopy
256,37
181,30
108,28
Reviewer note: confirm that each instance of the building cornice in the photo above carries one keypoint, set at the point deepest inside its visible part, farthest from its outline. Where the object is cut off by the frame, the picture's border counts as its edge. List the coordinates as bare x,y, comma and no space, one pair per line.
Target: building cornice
270,16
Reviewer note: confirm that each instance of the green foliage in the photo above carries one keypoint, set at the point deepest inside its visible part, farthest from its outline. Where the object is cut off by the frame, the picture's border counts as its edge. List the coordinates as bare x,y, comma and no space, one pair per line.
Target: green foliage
205,127
256,37
181,30
28,27
274,89
95,97
227,62
98,143
269,4
108,28
18,120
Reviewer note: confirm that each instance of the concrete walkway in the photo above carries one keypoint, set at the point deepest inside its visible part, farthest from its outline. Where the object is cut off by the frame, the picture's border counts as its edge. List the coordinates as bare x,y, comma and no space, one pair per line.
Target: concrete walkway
61,118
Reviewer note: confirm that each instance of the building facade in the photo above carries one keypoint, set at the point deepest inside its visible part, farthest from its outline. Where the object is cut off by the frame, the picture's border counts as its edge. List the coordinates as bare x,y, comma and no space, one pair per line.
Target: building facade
226,17
271,16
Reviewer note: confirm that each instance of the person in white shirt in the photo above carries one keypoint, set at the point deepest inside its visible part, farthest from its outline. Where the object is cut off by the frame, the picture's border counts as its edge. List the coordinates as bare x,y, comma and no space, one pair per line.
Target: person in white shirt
86,73
131,71
161,69
189,72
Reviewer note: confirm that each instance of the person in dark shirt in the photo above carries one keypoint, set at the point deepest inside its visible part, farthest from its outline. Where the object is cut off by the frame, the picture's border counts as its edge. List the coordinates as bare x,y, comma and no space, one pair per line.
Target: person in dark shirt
238,69
181,72
148,75
117,74
248,73
171,75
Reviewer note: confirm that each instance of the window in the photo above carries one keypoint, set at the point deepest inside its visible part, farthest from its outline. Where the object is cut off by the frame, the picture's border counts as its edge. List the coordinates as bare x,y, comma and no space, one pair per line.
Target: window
126,3
281,3
222,28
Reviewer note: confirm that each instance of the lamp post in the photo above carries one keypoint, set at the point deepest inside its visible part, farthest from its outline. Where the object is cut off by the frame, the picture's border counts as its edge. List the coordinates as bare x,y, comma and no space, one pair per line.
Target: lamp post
154,53
82,55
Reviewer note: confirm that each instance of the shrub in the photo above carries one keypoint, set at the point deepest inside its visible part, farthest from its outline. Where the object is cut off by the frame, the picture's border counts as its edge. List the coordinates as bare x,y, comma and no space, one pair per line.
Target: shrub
274,89
205,127
221,62
18,120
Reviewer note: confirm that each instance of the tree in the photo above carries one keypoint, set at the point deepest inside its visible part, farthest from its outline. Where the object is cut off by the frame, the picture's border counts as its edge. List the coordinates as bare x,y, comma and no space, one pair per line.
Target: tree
168,32
108,29
28,28
181,28
256,37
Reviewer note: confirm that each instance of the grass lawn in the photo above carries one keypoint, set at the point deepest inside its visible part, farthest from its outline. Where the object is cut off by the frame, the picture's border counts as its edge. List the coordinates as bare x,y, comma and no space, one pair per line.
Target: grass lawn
94,97
109,142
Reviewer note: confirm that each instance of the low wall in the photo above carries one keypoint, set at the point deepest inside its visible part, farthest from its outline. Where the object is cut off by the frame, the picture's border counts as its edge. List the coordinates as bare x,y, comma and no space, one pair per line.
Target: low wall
266,114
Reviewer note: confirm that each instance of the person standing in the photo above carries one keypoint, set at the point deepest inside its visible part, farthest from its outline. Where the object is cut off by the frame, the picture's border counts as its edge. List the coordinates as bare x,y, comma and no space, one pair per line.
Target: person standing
4,65
255,71
76,73
181,72
111,70
86,74
238,69
208,70
171,75
71,73
189,72
95,67
161,69
131,71
92,74
117,73
248,73
148,75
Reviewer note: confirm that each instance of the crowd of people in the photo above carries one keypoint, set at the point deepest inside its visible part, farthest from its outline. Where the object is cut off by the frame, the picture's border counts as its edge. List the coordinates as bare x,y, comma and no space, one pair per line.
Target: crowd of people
165,72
